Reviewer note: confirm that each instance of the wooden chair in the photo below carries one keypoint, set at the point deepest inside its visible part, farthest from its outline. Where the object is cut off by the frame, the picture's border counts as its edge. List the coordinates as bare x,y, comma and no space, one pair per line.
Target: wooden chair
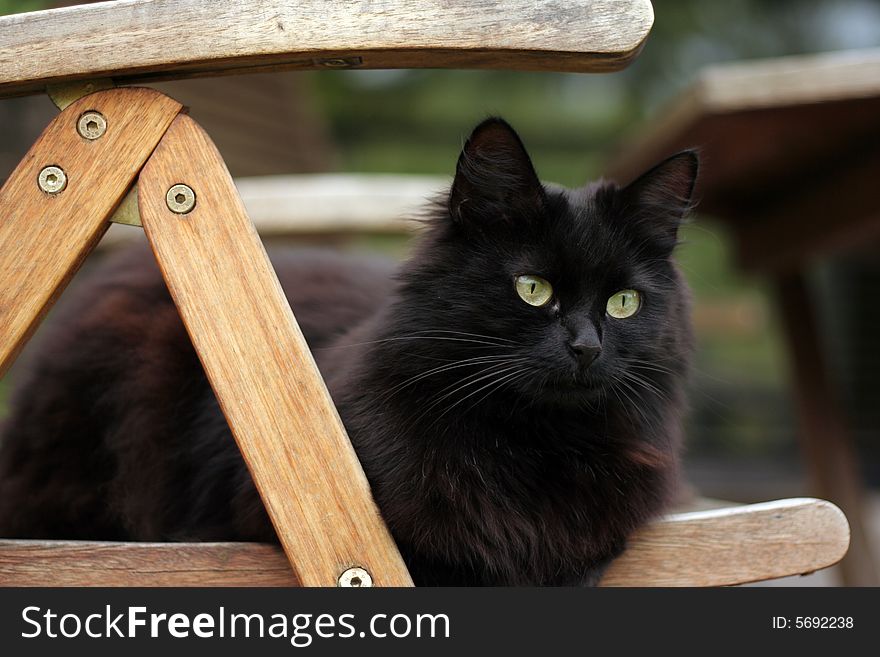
131,155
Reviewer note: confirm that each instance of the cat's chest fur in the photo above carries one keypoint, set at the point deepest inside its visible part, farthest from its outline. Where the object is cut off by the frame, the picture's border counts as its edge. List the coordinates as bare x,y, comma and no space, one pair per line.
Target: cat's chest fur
502,495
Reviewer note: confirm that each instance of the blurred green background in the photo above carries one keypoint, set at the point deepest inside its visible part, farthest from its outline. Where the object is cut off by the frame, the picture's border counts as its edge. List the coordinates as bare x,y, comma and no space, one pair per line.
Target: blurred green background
741,435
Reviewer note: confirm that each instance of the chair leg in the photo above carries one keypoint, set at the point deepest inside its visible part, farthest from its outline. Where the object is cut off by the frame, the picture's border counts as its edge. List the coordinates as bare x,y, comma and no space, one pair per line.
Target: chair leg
260,367
828,448
49,223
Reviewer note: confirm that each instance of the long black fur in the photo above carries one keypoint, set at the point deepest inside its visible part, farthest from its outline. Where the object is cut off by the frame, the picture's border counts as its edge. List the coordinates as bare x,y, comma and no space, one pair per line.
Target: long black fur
495,457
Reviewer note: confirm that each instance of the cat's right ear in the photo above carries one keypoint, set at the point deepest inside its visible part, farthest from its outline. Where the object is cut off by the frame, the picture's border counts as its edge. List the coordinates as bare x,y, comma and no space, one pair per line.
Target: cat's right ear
494,178
658,200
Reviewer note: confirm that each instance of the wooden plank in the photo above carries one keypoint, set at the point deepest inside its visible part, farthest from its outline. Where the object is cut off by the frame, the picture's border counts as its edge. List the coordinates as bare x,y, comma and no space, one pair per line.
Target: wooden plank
327,205
785,144
707,548
338,203
166,39
826,442
748,90
44,238
83,563
261,368
736,545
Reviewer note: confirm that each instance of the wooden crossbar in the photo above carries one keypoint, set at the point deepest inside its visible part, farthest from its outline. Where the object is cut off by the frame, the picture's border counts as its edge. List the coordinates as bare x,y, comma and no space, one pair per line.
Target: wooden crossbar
138,40
45,236
260,367
706,548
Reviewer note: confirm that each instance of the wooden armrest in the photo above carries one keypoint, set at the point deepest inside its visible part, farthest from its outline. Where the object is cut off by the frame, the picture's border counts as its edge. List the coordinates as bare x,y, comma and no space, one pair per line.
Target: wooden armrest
137,40
705,548
734,545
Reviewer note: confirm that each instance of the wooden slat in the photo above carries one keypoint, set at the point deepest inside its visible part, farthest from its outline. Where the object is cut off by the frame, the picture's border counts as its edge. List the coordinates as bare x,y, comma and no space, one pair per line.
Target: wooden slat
786,143
737,545
166,39
326,205
261,368
82,563
337,203
747,91
706,548
44,238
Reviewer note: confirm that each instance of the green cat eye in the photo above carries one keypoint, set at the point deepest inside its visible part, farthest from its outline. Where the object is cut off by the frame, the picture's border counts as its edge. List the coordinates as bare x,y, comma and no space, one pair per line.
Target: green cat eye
623,304
534,290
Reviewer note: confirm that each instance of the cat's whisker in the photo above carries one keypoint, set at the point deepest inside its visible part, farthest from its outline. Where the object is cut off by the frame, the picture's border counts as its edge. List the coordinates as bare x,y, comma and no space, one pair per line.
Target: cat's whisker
650,367
519,376
409,337
470,380
496,383
468,362
626,386
636,379
654,363
620,385
473,335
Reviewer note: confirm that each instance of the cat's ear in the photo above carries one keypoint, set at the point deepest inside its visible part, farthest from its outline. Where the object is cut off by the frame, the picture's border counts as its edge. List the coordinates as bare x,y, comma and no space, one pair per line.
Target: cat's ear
657,201
494,178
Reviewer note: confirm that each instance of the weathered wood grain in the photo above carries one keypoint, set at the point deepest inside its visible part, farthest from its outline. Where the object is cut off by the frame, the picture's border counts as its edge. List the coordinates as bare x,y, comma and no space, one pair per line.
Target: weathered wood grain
736,545
44,238
707,548
82,563
166,39
261,368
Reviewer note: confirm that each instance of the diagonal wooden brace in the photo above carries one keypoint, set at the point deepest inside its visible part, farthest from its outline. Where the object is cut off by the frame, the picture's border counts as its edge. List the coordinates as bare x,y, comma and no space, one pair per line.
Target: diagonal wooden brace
240,322
44,237
261,368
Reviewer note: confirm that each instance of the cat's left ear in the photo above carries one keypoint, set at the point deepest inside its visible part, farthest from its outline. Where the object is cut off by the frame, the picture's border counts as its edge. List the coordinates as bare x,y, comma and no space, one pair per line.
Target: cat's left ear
657,201
494,178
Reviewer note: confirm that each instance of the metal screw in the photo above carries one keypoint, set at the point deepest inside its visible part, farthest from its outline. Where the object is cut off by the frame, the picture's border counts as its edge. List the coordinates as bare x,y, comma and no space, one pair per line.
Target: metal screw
339,62
355,578
52,180
181,199
91,125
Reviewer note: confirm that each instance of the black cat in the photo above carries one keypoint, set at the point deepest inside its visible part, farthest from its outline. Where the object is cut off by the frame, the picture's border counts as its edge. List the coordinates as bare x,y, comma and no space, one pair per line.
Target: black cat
514,391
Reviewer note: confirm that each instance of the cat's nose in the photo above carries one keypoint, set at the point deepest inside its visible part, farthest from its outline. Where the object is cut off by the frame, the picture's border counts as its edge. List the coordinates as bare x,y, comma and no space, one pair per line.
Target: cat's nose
586,351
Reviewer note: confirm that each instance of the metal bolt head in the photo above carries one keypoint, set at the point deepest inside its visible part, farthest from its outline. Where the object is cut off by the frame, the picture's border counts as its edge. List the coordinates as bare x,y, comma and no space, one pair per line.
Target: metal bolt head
355,578
181,199
91,125
52,180
339,62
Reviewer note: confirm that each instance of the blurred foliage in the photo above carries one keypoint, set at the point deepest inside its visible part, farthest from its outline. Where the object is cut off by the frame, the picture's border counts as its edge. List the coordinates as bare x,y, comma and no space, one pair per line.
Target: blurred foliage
19,6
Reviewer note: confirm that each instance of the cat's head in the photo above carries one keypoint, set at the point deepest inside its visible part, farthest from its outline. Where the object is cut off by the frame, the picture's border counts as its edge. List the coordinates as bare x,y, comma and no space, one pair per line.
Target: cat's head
556,294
